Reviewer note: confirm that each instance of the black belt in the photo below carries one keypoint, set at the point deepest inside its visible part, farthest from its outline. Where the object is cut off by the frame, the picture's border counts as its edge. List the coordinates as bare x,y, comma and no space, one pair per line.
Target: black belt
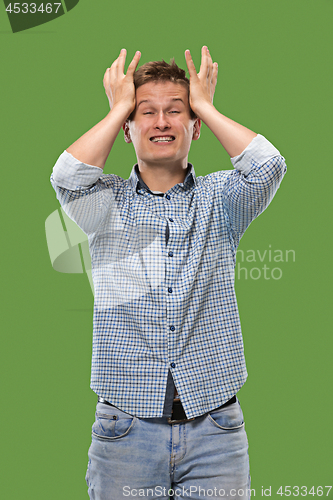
178,415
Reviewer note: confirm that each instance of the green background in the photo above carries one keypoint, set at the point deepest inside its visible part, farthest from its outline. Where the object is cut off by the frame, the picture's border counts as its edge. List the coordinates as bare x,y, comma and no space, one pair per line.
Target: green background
275,76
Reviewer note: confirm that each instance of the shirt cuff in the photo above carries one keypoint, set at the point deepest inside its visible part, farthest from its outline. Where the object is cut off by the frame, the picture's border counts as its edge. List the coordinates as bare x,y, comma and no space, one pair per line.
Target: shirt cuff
258,151
70,173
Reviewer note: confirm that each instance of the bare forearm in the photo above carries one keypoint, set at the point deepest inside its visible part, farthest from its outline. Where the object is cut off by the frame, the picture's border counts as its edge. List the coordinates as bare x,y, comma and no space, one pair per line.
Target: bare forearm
233,136
95,145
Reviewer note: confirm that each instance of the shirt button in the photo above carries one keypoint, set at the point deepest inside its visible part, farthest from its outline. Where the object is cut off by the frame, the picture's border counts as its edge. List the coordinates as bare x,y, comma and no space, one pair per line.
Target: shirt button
172,365
172,328
171,220
167,196
170,290
170,254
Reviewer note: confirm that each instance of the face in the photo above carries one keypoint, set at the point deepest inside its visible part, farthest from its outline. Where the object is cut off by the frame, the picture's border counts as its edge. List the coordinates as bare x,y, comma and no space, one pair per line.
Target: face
162,129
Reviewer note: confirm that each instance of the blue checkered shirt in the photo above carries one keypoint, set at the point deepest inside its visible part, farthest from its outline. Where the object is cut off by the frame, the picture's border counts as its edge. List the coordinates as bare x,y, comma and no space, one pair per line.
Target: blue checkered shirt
167,303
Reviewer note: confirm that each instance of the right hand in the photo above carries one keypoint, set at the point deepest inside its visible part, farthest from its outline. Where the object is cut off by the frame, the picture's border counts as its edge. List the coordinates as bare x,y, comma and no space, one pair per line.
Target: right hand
202,85
119,87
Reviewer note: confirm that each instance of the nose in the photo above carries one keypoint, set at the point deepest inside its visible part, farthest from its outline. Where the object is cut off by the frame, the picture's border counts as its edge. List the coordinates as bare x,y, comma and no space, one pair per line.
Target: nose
162,122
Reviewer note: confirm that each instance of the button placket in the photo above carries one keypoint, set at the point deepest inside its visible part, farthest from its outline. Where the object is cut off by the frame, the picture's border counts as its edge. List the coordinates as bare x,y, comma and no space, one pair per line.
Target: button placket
171,261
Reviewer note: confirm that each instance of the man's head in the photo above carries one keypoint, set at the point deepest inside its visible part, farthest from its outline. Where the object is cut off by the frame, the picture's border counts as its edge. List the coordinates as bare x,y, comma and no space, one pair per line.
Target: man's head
162,126
161,71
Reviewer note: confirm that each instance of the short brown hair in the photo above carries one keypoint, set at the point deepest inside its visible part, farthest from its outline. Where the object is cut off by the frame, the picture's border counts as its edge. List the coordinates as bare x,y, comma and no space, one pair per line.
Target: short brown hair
161,71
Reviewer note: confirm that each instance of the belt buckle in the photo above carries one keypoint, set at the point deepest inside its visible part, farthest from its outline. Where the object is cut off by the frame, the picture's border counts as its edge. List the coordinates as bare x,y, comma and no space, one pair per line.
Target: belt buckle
181,421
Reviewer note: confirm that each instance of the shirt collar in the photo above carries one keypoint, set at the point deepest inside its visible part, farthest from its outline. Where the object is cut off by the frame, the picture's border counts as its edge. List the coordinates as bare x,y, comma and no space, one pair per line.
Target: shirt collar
137,183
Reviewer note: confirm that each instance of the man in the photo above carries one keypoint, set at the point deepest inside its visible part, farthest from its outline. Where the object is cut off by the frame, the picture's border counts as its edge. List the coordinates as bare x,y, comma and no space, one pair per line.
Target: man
168,354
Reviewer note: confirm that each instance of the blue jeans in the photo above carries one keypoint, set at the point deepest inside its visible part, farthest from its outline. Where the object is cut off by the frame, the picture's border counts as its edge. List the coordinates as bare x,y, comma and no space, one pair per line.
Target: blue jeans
149,458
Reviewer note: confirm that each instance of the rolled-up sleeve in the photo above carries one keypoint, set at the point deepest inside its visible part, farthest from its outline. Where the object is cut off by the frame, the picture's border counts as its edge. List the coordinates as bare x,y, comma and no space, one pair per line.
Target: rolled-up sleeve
259,170
70,173
80,190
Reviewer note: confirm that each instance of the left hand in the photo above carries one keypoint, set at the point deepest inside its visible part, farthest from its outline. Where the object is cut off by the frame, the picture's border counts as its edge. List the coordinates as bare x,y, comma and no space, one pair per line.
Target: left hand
119,87
202,85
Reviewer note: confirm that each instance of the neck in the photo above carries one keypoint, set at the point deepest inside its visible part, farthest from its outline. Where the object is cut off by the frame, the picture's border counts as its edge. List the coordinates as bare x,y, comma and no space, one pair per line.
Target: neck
161,177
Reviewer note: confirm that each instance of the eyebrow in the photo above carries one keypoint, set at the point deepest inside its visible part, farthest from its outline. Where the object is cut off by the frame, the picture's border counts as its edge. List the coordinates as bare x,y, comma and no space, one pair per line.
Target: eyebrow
173,99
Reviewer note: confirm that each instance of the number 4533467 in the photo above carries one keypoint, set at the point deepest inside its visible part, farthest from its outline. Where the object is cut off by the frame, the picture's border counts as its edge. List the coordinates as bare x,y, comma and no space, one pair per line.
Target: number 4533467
25,8
303,491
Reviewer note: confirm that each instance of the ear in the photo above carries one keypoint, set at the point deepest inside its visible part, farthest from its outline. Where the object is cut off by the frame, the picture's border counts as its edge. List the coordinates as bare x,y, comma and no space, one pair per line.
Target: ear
196,129
127,135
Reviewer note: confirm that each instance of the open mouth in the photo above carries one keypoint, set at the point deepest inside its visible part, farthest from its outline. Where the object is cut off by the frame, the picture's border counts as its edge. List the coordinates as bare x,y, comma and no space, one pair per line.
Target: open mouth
165,138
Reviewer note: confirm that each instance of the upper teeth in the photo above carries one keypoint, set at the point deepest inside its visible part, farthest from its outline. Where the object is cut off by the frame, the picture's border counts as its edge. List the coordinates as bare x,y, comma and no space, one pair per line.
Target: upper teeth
162,139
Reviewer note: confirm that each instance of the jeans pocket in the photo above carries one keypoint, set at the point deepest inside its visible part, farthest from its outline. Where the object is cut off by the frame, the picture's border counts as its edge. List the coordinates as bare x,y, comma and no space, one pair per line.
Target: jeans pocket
112,425
229,418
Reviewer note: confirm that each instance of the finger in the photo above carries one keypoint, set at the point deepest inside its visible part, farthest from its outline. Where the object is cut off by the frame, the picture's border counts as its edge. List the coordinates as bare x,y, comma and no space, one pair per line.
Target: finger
113,72
106,74
134,63
106,79
210,65
204,63
114,68
215,72
121,62
190,64
214,80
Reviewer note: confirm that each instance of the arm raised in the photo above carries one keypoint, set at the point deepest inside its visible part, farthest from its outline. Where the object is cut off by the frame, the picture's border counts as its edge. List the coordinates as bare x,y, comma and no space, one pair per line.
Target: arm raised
94,146
233,136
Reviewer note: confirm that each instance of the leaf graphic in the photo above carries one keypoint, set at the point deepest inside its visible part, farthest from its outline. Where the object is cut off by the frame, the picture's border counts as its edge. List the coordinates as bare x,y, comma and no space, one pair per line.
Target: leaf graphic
70,4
